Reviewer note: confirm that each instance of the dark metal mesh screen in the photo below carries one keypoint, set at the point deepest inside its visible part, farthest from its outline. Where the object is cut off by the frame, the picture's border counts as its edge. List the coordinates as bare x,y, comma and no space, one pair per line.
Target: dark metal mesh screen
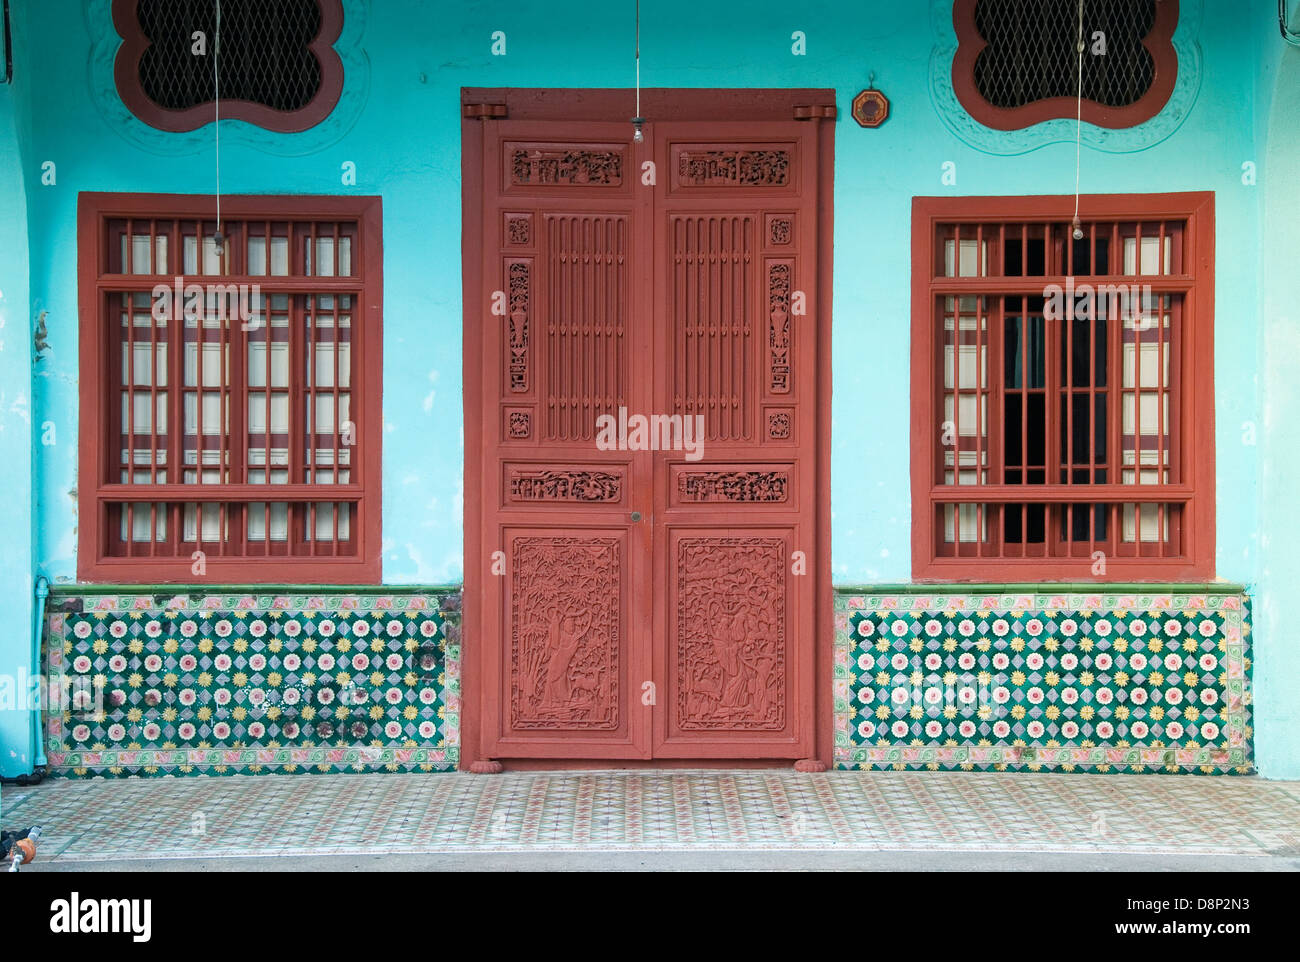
264,55
1031,53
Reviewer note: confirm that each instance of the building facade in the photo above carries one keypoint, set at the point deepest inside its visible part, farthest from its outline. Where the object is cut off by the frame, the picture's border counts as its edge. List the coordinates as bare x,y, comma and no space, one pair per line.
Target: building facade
436,415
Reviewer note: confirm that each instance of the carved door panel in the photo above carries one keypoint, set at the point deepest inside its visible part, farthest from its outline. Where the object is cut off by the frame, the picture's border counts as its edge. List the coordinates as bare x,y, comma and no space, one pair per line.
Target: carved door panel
638,569
735,225
569,647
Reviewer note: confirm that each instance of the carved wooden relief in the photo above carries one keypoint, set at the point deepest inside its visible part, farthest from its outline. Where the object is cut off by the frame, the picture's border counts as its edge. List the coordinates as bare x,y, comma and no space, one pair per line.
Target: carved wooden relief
519,229
647,560
519,423
733,168
731,634
778,332
713,268
733,486
585,366
565,166
565,598
780,424
780,230
564,484
518,298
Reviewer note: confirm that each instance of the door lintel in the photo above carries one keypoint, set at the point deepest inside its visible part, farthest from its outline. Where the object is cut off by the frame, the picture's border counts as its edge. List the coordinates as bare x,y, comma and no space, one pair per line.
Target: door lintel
657,103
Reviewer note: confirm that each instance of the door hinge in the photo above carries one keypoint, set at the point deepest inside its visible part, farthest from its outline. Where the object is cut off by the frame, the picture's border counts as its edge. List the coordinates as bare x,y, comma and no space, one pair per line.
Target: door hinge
484,111
815,111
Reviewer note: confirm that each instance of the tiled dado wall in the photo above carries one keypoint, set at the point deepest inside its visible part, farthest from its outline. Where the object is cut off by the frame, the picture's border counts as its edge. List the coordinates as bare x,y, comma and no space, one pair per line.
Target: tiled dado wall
246,683
233,683
1130,681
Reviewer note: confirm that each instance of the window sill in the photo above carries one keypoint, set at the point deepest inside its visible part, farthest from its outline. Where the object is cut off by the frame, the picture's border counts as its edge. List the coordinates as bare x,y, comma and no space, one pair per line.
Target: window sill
244,571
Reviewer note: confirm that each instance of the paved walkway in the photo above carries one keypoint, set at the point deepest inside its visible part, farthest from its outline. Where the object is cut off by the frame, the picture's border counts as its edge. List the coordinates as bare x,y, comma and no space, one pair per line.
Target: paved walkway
427,820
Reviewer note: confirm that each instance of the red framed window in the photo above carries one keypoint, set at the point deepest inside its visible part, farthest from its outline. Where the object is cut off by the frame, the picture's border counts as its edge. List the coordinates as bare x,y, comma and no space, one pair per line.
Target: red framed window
1017,62
1062,389
230,389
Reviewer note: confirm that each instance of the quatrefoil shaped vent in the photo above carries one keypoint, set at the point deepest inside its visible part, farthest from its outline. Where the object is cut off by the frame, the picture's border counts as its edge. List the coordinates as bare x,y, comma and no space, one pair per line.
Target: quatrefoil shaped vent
1017,63
278,68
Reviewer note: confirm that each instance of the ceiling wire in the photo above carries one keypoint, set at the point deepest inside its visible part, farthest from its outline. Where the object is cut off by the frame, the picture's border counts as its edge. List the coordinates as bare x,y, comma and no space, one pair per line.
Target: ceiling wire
216,126
638,120
1078,132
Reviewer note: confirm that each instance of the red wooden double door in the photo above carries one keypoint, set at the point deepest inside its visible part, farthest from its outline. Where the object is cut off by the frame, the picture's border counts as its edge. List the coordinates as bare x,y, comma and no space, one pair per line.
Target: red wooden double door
648,434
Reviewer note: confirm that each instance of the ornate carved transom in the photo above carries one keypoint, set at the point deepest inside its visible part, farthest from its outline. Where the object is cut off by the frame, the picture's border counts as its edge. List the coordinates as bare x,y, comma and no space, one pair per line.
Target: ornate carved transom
733,168
565,485
559,166
736,486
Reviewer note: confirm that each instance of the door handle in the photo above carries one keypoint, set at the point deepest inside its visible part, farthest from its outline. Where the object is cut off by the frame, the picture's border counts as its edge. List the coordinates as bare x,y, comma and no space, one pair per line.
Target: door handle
636,515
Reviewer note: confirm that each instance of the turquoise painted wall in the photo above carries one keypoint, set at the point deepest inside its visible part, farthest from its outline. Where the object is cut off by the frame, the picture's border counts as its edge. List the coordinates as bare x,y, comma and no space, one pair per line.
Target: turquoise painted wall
400,126
1277,667
17,557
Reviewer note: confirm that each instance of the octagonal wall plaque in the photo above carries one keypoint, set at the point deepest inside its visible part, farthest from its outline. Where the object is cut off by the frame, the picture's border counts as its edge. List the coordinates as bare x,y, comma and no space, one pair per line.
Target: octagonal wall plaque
870,108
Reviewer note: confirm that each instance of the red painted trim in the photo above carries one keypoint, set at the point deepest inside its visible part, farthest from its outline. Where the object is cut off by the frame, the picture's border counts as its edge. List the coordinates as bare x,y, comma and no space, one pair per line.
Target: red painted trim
657,103
823,593
126,75
1196,387
637,764
94,210
473,251
1159,43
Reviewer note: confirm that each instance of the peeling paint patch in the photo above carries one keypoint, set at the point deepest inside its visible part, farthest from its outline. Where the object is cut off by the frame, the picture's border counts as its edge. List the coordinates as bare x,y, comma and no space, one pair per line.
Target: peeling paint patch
427,404
18,407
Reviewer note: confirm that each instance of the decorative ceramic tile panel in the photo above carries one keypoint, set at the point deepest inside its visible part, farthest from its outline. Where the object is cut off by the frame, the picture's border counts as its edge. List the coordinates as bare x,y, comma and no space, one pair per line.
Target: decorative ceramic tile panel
246,684
1095,682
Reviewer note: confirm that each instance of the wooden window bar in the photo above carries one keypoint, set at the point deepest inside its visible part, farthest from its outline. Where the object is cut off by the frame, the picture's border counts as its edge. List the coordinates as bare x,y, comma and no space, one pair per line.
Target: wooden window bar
1091,394
187,484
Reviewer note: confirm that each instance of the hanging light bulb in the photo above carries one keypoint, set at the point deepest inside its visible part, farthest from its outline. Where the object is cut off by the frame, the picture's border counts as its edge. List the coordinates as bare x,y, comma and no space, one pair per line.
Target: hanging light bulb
1077,233
637,135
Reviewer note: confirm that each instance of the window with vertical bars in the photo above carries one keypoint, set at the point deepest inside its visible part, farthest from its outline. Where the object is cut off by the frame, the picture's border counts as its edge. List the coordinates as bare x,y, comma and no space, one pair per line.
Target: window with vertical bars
235,390
1063,390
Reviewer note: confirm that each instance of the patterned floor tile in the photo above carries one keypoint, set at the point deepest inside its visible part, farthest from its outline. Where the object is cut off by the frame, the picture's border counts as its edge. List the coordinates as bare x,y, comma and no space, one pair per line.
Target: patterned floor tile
713,810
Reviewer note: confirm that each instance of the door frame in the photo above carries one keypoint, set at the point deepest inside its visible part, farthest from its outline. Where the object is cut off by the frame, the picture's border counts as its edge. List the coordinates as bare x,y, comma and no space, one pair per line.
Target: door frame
480,105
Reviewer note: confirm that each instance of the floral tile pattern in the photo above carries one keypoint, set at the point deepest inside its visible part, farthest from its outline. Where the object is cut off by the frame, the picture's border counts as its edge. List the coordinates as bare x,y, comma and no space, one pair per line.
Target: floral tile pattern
251,684
246,684
1062,682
